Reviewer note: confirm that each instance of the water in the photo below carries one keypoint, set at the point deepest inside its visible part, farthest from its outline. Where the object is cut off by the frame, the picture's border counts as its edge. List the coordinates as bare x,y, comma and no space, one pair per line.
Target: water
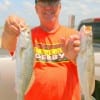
1,29
4,52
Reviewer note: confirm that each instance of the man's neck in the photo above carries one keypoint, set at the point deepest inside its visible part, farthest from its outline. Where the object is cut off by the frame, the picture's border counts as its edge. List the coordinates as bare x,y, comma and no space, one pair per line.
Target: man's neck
50,28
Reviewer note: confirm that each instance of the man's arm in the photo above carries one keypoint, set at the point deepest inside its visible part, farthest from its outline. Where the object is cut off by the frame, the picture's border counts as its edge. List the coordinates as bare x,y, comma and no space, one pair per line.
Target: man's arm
71,47
8,42
11,31
0,42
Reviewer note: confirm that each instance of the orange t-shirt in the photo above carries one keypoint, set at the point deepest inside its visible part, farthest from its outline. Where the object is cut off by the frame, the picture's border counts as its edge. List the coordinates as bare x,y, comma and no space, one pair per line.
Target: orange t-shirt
55,76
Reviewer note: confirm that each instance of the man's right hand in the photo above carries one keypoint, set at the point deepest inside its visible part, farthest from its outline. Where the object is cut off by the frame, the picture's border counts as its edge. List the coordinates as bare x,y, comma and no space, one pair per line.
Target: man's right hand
11,31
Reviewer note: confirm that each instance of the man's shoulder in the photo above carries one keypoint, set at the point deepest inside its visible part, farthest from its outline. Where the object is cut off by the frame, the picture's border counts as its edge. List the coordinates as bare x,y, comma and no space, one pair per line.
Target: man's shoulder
35,28
68,29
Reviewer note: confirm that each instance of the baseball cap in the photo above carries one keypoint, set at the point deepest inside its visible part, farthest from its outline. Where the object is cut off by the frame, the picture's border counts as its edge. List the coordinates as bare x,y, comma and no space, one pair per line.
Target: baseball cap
46,0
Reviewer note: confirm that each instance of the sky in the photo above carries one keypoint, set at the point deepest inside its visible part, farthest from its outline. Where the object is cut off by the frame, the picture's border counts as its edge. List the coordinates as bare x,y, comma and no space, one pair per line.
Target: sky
25,8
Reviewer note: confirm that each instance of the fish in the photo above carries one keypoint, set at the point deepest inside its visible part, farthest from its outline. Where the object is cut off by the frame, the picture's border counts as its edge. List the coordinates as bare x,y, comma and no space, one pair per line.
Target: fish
85,63
24,55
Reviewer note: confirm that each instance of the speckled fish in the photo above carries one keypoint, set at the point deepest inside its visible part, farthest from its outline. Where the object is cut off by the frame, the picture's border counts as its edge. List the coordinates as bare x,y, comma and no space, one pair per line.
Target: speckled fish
24,62
85,63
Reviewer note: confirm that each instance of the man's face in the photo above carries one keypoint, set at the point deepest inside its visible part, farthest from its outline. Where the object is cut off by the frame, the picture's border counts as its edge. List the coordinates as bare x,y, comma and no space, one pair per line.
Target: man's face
48,11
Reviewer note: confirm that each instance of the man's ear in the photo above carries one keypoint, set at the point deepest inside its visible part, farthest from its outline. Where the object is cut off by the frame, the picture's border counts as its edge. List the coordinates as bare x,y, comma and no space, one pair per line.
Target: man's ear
36,9
60,6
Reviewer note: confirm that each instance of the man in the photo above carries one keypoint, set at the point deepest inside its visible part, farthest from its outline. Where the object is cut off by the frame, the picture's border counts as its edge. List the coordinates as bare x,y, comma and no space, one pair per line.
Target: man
56,48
